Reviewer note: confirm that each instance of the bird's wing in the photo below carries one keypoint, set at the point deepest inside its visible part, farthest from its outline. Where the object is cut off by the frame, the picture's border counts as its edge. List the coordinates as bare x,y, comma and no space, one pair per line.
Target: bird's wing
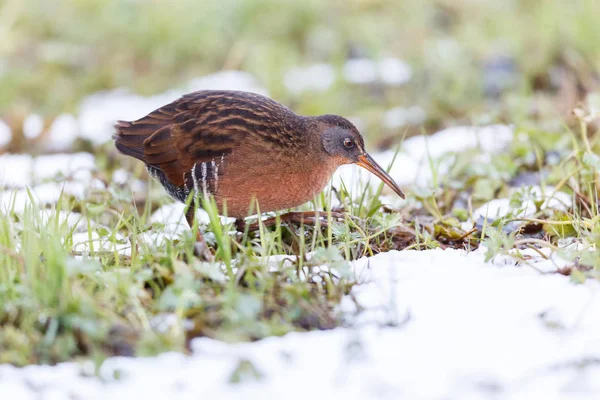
189,138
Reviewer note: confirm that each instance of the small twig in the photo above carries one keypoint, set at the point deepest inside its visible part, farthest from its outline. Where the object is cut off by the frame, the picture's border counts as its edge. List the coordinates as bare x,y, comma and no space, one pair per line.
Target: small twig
549,222
467,234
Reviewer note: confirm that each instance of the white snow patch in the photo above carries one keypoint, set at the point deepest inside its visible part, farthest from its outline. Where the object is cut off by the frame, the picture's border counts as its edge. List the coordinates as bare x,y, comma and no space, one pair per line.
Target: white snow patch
70,219
99,112
439,325
167,321
44,194
69,165
394,72
15,170
5,134
228,80
315,77
63,132
401,116
498,208
20,173
360,70
123,177
120,176
389,71
172,218
33,126
82,243
20,170
552,199
490,139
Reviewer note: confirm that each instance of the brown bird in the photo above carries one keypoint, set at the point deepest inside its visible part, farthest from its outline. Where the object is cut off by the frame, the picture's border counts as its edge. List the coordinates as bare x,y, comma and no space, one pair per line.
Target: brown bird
240,147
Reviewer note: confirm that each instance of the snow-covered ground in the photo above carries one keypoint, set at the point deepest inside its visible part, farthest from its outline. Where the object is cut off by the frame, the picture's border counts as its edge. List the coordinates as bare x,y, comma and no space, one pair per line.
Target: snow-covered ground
440,325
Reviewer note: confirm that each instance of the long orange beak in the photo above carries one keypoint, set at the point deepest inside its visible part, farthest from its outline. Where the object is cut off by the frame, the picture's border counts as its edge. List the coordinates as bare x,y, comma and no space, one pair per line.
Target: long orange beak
367,162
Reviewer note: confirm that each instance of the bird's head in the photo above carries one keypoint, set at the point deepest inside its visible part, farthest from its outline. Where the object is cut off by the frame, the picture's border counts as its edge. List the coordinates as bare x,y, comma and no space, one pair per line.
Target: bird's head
341,140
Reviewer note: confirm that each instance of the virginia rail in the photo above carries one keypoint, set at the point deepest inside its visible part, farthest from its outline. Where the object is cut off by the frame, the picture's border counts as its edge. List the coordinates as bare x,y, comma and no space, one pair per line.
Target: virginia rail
239,146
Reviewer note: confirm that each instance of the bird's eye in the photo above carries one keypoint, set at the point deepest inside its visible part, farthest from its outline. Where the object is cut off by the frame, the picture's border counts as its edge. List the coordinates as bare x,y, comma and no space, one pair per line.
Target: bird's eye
348,143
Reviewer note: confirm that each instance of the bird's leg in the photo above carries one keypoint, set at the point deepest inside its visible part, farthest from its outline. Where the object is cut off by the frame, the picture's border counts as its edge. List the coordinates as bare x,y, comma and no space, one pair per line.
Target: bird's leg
298,217
201,249
310,217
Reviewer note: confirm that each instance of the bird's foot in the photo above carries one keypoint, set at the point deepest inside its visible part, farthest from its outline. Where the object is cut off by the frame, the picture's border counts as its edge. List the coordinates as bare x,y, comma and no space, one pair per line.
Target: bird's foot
201,249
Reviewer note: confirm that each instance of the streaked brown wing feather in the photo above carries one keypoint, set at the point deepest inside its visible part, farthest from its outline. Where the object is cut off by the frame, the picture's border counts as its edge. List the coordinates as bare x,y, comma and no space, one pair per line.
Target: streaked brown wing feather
203,127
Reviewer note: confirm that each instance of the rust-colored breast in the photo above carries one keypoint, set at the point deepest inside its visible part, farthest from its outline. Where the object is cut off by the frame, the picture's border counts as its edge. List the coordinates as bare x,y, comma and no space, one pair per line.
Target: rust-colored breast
276,181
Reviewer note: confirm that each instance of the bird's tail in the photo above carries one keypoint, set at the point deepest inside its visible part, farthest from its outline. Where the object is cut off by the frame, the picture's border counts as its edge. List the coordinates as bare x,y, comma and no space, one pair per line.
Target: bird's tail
129,140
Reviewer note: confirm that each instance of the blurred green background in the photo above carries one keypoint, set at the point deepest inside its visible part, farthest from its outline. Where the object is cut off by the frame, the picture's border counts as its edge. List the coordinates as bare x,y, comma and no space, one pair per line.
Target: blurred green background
473,61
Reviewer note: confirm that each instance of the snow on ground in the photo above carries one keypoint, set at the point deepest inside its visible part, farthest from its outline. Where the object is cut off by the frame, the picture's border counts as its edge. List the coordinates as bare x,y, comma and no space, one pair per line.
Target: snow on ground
439,325
172,222
315,77
319,77
5,134
498,208
401,116
33,126
171,217
21,170
46,177
390,71
63,132
84,242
